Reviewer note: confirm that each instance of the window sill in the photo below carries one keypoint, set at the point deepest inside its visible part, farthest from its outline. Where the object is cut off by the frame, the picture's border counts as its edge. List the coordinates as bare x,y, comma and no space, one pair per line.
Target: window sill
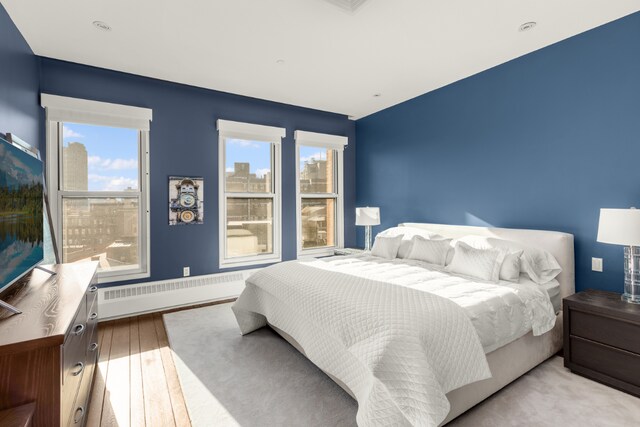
247,262
316,253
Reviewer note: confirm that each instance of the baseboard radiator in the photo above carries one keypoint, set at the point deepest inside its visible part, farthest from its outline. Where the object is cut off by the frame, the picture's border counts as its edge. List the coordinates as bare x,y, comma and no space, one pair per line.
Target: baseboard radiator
123,301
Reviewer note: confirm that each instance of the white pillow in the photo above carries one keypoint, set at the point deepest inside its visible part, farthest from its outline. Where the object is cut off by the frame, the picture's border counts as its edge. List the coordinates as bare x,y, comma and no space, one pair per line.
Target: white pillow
538,264
510,269
431,251
408,233
483,264
386,247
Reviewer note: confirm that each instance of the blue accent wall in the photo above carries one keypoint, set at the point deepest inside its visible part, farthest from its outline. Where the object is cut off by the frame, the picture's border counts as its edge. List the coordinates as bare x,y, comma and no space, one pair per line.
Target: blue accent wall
542,142
184,141
19,82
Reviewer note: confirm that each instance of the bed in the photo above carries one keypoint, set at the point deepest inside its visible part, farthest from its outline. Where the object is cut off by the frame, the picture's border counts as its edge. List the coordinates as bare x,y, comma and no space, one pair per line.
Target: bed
399,387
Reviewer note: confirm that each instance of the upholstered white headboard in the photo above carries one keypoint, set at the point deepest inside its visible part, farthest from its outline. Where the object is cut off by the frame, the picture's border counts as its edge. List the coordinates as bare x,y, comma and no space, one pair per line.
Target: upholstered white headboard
559,244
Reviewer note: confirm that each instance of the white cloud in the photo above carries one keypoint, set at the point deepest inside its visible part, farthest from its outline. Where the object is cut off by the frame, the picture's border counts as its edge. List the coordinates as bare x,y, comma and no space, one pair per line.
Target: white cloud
315,156
98,163
99,178
229,169
70,133
121,183
112,183
262,172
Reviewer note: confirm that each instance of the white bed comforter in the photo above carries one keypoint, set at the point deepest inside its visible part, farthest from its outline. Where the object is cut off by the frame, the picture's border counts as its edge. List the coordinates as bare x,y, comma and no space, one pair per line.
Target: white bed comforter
398,349
500,312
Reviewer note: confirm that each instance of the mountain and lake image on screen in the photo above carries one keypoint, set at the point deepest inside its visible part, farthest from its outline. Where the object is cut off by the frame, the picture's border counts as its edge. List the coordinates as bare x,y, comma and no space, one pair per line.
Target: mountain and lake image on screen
21,213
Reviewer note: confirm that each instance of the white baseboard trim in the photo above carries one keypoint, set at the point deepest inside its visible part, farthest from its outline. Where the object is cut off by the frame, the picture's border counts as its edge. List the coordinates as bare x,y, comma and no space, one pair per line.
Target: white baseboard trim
141,298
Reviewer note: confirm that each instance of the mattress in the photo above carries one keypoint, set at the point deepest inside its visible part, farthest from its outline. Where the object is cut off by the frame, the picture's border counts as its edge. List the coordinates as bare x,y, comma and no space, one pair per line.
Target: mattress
501,312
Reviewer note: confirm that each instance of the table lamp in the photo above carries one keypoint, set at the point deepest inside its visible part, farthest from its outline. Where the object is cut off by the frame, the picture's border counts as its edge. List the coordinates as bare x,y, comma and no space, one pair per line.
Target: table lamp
622,227
367,217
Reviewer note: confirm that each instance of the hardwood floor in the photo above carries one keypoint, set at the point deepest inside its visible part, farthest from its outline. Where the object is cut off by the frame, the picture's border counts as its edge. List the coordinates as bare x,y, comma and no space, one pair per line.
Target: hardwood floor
136,383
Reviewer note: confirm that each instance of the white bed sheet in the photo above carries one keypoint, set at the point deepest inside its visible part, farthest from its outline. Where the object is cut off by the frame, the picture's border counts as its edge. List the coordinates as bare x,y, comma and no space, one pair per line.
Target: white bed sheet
553,289
500,312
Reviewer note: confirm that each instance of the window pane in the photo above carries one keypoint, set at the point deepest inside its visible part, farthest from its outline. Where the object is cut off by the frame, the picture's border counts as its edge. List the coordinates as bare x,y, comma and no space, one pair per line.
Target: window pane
101,229
249,227
99,158
317,170
318,220
248,166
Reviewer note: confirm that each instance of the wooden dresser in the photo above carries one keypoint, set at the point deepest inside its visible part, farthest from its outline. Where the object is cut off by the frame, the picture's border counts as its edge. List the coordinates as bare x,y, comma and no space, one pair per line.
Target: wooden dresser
48,353
602,339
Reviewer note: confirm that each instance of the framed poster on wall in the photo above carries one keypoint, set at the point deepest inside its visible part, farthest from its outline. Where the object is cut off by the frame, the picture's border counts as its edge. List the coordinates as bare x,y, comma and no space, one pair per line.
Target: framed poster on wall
186,200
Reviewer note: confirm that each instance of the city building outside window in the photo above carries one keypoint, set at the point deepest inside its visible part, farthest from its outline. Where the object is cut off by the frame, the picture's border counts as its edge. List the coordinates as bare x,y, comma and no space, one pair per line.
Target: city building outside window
319,191
98,180
250,190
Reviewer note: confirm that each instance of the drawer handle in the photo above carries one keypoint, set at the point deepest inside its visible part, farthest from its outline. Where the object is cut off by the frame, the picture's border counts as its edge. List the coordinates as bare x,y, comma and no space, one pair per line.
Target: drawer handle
93,347
93,289
93,316
80,367
78,329
78,415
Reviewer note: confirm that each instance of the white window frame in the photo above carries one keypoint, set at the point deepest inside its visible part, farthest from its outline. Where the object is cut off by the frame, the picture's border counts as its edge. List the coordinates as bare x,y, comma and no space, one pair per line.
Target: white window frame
248,131
336,143
60,110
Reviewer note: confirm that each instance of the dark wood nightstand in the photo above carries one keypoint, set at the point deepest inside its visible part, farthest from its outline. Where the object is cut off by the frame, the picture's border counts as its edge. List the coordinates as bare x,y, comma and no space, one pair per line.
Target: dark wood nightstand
602,339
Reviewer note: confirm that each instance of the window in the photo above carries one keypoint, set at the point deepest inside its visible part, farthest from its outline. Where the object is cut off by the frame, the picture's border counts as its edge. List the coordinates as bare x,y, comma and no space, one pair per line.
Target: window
320,209
98,178
249,193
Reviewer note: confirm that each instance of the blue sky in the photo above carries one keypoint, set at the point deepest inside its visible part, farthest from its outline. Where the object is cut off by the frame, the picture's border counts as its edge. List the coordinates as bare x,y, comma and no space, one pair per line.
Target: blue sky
257,154
112,155
307,153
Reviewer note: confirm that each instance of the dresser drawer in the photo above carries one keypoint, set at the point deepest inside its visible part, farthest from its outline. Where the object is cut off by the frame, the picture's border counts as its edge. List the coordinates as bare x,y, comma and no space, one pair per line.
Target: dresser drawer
618,364
92,345
606,330
92,298
92,318
74,354
80,407
74,347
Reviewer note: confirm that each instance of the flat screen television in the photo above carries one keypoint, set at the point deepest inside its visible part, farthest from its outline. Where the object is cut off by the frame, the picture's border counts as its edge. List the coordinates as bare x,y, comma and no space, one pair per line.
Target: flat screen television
21,213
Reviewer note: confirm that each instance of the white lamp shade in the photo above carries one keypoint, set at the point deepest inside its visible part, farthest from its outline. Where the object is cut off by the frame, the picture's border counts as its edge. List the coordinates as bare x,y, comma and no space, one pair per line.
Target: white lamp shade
619,227
367,216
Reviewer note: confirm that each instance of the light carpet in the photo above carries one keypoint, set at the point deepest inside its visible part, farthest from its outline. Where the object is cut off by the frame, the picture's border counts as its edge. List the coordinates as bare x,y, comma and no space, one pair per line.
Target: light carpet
261,380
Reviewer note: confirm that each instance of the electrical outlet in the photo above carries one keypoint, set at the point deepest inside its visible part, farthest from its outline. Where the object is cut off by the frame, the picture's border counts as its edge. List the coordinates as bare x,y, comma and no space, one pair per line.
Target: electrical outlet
596,264
186,272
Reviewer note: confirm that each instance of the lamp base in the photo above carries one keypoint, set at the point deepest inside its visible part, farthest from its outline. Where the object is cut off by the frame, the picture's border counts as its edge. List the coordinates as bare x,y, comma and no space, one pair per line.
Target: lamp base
631,274
367,238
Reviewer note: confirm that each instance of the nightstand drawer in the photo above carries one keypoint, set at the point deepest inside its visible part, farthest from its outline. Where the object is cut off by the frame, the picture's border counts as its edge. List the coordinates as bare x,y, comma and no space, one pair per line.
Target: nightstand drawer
606,330
617,364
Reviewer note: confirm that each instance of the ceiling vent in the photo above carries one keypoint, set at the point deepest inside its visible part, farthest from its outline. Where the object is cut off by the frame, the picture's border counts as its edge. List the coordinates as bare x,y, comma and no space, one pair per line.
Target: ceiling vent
350,5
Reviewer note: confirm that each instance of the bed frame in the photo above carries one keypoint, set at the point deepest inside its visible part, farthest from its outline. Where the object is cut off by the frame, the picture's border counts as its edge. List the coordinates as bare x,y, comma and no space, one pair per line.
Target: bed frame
520,356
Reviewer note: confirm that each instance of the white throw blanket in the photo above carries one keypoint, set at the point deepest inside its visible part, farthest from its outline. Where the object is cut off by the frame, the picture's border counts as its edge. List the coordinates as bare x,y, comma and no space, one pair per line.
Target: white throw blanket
399,350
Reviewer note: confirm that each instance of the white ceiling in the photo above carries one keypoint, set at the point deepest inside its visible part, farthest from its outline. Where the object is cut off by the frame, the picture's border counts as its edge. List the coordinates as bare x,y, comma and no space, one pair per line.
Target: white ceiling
334,60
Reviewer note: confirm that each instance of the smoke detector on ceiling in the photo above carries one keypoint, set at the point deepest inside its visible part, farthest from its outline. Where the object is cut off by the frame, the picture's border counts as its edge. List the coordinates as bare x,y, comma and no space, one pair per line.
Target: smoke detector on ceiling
350,5
102,25
527,26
